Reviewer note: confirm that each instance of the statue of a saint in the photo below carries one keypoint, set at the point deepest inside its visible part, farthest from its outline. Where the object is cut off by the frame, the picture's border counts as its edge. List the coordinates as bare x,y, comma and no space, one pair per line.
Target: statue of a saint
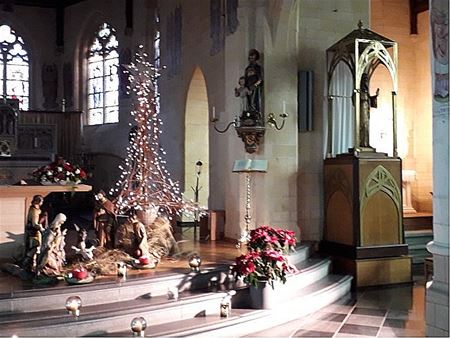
52,257
253,82
366,102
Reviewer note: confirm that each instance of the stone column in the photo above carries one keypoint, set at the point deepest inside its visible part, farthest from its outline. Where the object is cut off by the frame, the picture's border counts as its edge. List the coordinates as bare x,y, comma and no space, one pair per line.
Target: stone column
437,297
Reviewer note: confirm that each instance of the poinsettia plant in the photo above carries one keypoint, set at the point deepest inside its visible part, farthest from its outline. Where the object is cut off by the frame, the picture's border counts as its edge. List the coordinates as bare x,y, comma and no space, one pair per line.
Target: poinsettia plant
266,259
60,171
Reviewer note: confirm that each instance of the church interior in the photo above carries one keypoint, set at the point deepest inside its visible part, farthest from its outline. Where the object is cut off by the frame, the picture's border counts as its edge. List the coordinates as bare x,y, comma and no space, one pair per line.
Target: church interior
224,167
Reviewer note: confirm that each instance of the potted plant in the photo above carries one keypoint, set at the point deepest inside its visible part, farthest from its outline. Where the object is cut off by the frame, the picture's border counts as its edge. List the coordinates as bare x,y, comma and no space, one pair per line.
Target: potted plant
265,260
265,263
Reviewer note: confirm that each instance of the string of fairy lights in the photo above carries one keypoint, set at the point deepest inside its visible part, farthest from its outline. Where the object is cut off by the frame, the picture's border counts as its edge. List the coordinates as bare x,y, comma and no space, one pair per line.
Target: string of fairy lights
145,183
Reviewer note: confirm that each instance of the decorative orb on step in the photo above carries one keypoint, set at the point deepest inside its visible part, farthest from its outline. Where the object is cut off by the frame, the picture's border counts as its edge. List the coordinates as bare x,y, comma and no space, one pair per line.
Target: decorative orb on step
122,270
73,305
225,304
194,262
172,292
138,326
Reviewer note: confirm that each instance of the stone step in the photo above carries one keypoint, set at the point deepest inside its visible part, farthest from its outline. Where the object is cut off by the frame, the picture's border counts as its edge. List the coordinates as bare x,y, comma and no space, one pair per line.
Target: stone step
245,321
103,318
310,272
51,322
110,290
418,221
301,253
109,305
417,241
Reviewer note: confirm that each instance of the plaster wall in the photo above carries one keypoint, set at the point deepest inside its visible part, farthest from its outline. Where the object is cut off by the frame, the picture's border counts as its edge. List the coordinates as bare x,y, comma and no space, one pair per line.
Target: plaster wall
391,19
195,52
319,25
423,128
274,194
40,41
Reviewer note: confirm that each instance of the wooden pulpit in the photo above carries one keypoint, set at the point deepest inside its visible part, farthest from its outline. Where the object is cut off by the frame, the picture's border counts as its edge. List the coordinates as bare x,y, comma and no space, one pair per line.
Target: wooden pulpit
363,218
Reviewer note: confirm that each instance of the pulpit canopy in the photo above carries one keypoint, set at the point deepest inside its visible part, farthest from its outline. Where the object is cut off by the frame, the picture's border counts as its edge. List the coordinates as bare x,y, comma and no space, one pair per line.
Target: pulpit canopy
362,50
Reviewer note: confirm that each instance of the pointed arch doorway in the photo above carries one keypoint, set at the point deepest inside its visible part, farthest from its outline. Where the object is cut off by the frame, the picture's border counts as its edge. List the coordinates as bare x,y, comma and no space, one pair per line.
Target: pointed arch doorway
196,140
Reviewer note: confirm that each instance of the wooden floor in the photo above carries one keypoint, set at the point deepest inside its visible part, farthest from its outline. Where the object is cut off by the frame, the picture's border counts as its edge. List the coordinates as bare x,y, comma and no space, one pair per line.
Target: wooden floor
212,253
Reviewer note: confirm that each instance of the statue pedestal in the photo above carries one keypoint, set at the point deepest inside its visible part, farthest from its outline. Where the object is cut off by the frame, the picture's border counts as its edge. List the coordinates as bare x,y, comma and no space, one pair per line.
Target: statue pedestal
363,219
408,176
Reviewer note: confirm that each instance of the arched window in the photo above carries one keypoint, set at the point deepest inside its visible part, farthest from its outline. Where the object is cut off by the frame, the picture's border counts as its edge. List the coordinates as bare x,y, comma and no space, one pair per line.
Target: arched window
14,67
103,79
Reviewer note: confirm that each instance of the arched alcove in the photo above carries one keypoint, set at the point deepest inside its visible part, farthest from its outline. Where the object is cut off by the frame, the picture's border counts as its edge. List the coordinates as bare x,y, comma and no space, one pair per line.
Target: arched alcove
196,139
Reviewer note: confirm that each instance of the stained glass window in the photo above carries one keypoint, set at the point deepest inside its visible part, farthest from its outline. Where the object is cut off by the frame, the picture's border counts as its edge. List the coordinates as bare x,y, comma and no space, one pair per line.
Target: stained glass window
14,67
103,77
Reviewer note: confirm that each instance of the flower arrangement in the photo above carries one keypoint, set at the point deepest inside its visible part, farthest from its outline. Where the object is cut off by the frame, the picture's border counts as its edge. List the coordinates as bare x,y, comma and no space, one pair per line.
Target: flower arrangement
265,259
60,172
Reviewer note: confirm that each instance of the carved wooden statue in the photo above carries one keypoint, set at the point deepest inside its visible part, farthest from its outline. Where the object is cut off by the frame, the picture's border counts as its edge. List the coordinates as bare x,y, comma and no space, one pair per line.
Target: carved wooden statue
254,82
366,102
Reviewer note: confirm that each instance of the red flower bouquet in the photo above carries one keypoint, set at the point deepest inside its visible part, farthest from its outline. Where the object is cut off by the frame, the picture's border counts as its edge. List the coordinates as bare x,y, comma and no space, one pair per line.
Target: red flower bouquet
265,259
60,172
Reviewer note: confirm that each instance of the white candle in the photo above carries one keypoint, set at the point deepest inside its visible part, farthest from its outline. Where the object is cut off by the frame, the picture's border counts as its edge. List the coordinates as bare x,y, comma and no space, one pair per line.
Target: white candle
284,107
214,113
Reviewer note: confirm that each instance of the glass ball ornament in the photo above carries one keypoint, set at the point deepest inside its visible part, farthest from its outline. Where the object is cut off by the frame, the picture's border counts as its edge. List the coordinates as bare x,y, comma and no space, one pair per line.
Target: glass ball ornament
138,326
194,262
73,305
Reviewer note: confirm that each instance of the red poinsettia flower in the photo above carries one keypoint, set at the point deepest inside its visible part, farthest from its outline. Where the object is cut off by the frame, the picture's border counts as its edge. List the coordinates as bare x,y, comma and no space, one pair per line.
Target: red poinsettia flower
265,258
272,255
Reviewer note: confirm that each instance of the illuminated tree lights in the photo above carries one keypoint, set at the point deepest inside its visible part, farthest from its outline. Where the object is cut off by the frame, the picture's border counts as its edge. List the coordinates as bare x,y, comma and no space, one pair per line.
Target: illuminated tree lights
145,183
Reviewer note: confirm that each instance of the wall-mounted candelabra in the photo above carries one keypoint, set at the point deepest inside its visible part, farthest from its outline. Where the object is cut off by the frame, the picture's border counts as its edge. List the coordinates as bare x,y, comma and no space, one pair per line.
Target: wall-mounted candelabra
250,127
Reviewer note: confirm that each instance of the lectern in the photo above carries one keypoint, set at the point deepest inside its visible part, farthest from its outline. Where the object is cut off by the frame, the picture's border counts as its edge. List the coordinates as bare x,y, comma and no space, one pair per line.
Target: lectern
248,166
362,187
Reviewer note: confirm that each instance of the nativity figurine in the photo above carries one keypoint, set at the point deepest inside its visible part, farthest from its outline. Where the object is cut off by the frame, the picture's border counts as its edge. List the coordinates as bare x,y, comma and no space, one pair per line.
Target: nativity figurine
33,233
105,220
81,249
52,256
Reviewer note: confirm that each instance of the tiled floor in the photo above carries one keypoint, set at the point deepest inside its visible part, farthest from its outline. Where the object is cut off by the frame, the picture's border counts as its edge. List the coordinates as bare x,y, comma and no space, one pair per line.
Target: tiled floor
394,311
